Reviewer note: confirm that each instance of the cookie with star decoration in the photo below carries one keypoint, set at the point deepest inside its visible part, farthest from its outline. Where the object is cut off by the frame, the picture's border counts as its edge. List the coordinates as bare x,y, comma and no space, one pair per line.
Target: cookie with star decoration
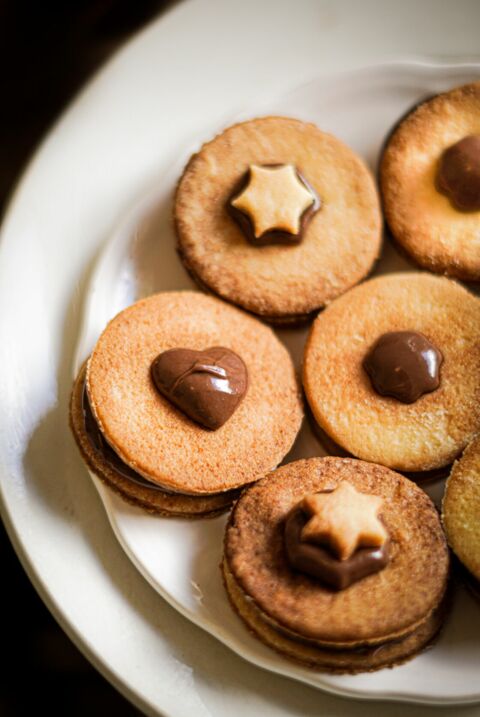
278,217
338,564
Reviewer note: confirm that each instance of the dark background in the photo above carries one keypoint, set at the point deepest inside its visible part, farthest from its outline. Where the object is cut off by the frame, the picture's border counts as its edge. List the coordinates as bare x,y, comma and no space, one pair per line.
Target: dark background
47,51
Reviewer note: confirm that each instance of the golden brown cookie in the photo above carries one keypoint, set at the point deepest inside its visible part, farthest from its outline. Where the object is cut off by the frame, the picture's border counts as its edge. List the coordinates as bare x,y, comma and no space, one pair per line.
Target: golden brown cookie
378,620
419,436
130,486
280,282
156,438
429,191
461,509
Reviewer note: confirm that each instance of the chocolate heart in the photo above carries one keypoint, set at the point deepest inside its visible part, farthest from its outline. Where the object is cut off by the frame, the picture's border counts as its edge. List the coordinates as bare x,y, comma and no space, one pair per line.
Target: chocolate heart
206,385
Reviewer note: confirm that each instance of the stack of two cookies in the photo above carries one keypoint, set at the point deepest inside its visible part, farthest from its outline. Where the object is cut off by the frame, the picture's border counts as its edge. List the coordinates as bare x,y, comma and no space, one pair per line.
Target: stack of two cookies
183,401
339,564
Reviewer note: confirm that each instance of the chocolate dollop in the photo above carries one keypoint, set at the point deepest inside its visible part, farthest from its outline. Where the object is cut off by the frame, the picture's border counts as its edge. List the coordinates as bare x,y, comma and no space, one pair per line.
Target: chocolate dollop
458,175
206,385
321,563
404,365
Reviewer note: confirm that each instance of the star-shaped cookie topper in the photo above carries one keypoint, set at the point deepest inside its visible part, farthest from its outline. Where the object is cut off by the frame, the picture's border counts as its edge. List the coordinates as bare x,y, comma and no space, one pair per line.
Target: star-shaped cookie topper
274,199
344,520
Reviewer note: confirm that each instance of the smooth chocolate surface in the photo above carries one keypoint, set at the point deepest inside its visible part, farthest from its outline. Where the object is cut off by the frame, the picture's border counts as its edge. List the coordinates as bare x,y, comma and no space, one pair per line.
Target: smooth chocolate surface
319,562
274,236
458,175
206,385
404,365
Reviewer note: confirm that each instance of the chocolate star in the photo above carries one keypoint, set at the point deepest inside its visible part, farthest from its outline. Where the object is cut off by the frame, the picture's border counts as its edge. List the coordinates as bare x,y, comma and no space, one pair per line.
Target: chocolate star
344,520
275,199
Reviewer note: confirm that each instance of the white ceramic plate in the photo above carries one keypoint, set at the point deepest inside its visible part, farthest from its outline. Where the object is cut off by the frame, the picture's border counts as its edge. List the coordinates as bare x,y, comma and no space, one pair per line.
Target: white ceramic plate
180,559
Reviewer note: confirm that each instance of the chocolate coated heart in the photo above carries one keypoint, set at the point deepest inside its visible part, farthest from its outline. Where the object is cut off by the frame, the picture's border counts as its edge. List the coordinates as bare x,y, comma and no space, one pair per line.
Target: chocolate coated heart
206,385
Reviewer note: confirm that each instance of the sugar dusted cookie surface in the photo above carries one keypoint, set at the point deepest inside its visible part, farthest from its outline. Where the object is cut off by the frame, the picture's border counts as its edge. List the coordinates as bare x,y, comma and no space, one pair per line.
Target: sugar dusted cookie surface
440,230
338,245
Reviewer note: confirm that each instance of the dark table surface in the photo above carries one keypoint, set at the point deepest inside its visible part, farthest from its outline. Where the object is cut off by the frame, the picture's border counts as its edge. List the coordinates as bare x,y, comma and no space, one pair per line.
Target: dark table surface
47,51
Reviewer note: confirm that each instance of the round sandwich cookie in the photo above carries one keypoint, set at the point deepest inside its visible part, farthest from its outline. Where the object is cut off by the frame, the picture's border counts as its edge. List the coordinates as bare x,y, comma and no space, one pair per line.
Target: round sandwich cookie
278,217
461,513
392,372
183,401
337,563
430,183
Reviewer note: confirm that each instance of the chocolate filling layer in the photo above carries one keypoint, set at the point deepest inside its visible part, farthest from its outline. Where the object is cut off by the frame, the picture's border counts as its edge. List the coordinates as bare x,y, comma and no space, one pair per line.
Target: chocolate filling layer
113,460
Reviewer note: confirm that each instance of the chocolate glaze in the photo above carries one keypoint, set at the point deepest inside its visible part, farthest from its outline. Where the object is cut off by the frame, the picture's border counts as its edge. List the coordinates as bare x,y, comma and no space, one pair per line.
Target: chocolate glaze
100,445
206,385
275,236
404,365
458,175
320,563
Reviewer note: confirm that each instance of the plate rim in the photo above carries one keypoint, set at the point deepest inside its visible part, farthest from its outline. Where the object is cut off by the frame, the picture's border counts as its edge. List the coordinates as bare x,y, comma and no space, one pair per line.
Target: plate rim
35,578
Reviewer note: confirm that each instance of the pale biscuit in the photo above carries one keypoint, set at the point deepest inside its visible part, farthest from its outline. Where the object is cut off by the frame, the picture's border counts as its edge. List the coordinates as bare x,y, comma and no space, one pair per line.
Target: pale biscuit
421,436
461,508
435,235
283,284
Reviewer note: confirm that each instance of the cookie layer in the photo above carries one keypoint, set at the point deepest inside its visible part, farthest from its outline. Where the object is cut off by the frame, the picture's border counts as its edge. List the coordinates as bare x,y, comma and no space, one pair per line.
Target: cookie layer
340,243
423,221
461,508
421,436
150,499
158,440
364,659
382,607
